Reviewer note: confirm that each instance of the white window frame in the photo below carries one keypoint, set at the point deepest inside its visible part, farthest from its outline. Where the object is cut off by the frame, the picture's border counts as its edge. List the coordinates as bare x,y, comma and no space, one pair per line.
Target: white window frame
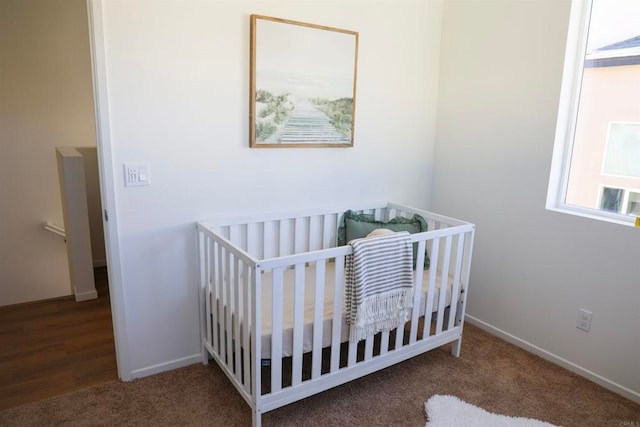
567,116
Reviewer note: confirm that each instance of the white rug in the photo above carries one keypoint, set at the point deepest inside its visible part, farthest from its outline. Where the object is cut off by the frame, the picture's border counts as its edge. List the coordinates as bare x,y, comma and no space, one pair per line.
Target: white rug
449,411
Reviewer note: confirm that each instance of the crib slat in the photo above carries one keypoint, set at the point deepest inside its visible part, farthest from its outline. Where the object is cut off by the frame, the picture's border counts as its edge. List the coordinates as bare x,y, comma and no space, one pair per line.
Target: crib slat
253,239
299,239
435,252
228,301
303,235
399,336
285,238
268,249
443,284
298,324
208,257
383,214
246,321
225,309
276,330
236,317
315,233
431,224
256,335
318,317
455,288
417,292
336,324
384,342
464,280
329,230
234,235
218,321
224,231
352,353
309,237
377,214
368,348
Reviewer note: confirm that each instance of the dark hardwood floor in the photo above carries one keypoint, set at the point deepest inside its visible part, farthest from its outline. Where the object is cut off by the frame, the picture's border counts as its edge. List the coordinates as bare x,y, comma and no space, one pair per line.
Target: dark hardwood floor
51,347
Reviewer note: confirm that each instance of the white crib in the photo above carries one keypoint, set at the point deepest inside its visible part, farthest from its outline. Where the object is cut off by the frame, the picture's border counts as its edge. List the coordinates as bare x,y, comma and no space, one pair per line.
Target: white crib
271,301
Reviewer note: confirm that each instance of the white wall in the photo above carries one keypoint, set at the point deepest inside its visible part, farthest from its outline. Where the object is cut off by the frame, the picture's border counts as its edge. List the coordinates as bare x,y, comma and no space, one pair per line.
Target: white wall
45,101
500,75
177,91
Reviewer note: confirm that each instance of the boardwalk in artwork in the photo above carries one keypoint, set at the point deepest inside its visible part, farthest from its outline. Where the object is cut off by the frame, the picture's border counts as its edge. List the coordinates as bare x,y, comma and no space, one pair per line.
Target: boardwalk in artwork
308,124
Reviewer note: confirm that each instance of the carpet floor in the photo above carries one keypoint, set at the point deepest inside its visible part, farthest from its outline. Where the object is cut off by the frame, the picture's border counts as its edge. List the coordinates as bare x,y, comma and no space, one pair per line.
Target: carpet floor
491,374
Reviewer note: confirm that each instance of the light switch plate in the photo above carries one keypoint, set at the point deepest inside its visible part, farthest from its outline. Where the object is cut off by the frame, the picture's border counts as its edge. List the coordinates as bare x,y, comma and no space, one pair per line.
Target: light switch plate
136,174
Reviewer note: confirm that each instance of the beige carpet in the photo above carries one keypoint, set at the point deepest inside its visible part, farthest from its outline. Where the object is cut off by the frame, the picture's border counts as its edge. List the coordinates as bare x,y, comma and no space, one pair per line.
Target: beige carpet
490,374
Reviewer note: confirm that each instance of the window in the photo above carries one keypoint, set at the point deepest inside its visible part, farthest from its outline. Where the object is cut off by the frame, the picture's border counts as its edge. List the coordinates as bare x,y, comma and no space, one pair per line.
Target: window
620,200
596,160
611,200
622,156
633,204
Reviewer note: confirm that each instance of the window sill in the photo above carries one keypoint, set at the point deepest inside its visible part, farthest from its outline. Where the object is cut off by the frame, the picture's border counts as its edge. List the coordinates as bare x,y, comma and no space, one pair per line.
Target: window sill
594,214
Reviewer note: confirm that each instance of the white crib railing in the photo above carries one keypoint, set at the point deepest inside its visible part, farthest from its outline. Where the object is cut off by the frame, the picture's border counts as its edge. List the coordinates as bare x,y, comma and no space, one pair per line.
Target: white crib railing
235,256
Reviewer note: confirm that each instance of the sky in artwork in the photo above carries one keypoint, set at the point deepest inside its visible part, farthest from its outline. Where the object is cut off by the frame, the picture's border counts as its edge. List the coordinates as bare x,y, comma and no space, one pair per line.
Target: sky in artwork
309,62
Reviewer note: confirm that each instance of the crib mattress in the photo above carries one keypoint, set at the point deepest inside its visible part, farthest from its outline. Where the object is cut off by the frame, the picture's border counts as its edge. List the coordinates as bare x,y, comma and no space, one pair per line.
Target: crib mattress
309,304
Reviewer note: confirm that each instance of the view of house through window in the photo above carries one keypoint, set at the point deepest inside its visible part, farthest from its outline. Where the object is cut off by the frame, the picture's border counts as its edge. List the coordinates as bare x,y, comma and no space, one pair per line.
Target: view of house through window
604,168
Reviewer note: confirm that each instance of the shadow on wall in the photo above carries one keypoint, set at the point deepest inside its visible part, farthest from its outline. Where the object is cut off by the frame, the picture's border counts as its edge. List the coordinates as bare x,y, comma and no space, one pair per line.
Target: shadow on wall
94,204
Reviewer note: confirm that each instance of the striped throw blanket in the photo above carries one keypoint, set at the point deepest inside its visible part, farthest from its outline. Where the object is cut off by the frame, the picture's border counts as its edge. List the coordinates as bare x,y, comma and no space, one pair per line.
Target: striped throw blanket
379,284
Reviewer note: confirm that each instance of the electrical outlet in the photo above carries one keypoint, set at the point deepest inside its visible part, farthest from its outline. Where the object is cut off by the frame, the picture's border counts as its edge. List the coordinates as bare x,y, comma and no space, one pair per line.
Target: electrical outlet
584,320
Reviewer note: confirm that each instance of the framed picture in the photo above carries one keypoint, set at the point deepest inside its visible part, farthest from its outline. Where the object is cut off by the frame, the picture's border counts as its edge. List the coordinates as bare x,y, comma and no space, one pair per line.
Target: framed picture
303,84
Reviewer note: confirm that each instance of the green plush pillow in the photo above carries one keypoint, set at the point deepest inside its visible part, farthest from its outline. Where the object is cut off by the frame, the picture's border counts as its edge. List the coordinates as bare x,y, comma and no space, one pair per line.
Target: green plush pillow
355,226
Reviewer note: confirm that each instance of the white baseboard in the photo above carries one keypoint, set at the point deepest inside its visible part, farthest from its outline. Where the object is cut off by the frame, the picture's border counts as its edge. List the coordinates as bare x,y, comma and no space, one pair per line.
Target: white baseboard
85,296
531,348
166,366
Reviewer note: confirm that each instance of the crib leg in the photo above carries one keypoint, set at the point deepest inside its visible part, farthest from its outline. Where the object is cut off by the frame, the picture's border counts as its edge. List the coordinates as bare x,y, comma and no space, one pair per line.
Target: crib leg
205,355
455,349
256,419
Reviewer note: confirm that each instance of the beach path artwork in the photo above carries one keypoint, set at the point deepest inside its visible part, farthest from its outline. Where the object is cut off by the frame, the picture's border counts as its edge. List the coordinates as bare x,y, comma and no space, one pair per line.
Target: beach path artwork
303,80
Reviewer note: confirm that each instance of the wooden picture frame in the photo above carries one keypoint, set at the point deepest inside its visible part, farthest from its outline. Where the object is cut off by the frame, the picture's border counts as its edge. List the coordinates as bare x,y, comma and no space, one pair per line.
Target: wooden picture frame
303,84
